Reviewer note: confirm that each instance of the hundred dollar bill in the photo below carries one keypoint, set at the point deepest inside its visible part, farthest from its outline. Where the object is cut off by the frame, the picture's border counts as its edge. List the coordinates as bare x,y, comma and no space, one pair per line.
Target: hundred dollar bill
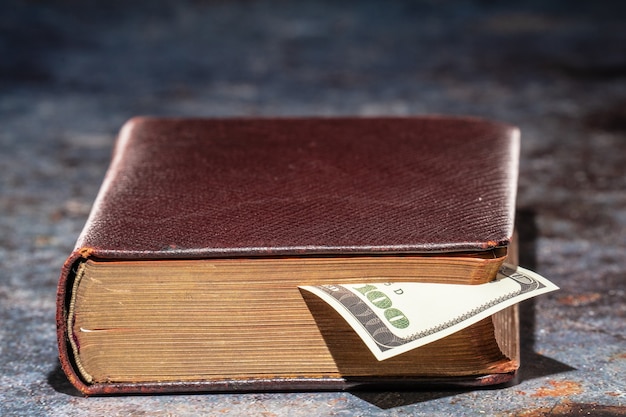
393,318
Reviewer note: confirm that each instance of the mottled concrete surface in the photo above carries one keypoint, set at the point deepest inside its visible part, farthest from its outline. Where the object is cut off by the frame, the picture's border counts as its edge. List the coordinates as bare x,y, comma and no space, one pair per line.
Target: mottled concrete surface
71,72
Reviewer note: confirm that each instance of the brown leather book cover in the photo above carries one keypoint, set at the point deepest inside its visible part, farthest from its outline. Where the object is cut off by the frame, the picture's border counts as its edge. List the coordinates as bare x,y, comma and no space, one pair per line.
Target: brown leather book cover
227,188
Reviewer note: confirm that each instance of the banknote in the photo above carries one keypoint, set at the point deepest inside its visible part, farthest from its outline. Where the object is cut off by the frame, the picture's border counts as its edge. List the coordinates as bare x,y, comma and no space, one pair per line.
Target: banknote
393,318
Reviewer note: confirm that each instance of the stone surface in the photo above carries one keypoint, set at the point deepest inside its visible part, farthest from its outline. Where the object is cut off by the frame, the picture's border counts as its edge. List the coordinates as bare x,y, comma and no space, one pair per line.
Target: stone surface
72,72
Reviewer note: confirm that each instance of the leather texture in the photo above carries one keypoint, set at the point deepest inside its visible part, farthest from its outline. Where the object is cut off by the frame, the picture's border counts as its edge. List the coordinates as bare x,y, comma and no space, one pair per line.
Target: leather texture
246,187
201,188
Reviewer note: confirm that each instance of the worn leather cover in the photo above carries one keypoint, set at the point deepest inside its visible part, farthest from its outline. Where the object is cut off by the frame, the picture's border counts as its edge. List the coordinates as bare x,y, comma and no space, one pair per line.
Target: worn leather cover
201,188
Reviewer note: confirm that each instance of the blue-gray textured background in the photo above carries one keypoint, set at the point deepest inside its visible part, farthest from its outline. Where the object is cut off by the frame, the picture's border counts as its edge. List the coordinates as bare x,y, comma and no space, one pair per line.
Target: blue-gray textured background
71,72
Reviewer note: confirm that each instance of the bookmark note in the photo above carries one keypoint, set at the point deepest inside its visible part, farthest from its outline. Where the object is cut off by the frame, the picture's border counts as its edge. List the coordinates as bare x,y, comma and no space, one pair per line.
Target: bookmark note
393,318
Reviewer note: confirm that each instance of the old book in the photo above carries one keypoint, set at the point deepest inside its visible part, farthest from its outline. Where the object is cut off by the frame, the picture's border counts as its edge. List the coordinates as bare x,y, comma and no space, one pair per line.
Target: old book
186,274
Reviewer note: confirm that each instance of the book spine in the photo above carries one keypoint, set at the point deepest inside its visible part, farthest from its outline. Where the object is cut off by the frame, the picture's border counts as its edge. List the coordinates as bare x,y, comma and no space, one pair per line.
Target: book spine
63,295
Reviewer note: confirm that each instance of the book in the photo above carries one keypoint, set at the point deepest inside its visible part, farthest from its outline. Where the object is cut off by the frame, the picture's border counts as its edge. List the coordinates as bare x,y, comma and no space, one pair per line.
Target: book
186,274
